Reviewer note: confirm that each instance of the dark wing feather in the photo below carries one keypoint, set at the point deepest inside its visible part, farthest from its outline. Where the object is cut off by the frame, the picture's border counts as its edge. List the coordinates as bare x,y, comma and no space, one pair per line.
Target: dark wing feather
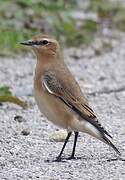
78,104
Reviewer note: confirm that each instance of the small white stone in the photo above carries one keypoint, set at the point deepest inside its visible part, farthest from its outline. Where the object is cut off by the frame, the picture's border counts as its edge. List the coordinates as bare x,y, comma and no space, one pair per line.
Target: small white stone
58,136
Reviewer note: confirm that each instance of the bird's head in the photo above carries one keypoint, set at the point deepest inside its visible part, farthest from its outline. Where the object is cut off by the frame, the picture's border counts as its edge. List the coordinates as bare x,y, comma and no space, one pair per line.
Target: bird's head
43,45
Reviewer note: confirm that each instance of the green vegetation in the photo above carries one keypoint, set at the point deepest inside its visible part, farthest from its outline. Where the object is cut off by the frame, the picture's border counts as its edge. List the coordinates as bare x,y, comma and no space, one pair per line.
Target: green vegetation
6,96
114,12
20,19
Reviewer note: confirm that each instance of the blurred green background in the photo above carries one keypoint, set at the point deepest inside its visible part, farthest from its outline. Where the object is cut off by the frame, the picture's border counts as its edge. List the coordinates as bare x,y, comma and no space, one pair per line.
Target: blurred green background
73,22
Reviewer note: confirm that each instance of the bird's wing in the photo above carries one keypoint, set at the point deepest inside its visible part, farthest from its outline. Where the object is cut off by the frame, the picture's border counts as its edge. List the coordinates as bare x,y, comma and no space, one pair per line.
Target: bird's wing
57,87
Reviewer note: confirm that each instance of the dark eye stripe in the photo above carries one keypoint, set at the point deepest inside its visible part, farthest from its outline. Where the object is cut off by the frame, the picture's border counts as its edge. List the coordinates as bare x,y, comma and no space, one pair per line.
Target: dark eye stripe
43,42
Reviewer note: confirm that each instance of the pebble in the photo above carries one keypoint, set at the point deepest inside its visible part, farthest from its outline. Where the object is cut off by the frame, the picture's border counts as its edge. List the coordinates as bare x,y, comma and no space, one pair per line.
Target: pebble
58,136
25,132
19,118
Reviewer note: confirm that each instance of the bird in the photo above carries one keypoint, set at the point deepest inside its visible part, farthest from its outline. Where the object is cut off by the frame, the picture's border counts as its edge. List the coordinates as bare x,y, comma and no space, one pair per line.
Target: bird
59,96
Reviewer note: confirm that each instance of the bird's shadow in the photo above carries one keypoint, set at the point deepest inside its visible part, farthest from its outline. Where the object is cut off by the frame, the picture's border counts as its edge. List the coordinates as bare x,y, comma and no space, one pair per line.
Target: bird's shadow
66,159
116,159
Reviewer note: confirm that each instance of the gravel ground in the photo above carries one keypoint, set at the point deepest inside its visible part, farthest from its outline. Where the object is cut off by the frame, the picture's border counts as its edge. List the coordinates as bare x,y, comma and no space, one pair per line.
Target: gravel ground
24,141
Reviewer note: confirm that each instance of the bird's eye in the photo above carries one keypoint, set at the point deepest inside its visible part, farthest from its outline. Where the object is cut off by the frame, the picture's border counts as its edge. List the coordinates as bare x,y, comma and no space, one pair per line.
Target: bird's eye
44,42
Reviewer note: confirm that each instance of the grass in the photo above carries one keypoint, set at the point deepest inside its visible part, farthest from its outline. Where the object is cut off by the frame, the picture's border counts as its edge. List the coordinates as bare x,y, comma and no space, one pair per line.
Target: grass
21,19
7,96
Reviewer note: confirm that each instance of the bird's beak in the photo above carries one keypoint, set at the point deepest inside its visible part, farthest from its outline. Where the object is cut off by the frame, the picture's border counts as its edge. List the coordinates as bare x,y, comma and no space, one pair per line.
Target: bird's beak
27,43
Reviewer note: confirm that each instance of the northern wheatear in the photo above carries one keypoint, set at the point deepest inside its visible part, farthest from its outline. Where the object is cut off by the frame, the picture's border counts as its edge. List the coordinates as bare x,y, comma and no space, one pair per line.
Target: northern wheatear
59,96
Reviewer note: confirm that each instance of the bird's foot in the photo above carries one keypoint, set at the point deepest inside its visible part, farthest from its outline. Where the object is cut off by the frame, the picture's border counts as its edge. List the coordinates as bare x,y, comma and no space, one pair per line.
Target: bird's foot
71,157
59,159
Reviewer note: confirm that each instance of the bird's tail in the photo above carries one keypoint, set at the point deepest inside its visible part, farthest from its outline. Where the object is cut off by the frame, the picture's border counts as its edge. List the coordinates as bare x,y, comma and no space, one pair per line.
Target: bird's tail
107,141
96,131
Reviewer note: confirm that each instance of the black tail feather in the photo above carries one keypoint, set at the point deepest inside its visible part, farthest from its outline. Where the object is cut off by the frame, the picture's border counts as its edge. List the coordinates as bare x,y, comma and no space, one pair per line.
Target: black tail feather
111,144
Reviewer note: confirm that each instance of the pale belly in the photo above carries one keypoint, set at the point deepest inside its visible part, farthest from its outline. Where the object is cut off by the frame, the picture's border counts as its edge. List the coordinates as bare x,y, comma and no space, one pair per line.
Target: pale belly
53,108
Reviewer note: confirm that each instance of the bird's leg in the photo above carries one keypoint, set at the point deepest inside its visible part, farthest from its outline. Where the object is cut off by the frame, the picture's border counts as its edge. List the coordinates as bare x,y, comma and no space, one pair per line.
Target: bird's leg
66,140
74,146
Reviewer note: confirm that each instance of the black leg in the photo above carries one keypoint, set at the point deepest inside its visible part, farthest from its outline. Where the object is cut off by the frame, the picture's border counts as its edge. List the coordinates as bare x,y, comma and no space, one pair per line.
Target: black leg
66,140
74,146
